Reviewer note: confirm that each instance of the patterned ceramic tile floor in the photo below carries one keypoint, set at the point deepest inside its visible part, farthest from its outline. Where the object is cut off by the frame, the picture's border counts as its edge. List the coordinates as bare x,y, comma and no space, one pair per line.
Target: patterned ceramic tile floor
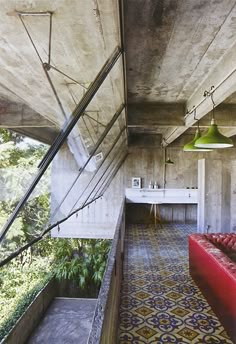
159,301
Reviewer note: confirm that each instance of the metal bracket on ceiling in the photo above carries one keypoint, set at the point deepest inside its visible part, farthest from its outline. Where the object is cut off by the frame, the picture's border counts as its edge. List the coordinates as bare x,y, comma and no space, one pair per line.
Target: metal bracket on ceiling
67,76
46,13
207,93
43,13
194,110
93,119
47,65
210,94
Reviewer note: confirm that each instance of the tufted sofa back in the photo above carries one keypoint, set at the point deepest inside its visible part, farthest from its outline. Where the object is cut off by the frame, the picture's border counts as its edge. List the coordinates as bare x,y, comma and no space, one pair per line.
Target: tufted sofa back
226,242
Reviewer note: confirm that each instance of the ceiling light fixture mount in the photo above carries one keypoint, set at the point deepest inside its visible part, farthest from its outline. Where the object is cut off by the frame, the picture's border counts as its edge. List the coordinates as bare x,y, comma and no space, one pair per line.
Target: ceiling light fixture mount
213,138
169,162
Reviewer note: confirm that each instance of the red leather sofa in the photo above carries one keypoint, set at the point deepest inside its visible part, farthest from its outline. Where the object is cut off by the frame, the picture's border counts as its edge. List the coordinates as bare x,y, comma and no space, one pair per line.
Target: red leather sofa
212,264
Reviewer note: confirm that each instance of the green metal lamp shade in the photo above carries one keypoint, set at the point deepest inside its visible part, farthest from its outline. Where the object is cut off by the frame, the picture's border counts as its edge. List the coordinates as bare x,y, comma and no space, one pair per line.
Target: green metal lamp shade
190,147
213,139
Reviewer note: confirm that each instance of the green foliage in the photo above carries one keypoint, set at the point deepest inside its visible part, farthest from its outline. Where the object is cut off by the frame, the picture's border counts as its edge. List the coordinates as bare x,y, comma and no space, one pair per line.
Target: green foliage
78,260
19,285
81,260
21,279
35,215
18,163
13,154
8,135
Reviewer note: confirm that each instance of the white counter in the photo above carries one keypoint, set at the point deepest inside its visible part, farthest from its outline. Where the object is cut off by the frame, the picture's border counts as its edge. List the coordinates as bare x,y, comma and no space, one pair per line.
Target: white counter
181,196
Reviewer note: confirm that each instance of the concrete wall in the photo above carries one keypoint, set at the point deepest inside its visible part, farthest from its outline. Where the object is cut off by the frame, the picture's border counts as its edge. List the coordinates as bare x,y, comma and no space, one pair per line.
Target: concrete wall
233,197
99,219
106,317
149,165
219,178
220,189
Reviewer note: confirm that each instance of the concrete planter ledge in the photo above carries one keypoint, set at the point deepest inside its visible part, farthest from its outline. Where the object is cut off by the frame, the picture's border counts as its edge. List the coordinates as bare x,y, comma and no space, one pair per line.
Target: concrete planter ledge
106,312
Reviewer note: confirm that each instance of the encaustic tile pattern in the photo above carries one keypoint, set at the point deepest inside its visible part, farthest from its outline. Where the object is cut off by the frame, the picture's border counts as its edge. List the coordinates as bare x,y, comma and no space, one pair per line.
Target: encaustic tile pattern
160,303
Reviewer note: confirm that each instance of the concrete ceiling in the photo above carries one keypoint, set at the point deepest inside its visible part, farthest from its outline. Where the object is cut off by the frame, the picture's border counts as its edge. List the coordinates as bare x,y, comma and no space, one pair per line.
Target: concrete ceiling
174,51
84,35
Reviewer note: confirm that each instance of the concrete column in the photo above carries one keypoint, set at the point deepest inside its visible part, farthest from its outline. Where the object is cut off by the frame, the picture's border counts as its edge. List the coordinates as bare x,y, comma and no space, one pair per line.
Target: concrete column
215,203
233,196
201,196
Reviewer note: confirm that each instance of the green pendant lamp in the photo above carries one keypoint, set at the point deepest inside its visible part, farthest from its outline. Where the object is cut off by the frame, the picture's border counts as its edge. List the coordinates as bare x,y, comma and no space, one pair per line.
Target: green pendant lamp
190,147
213,138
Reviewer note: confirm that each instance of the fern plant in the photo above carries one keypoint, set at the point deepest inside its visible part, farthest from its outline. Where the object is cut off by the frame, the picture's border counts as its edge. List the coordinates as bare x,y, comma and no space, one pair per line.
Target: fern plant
81,260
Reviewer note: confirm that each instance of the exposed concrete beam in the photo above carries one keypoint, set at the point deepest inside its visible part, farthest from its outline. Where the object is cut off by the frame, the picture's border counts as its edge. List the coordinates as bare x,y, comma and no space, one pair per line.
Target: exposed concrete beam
44,135
23,120
145,129
145,140
155,114
172,134
225,115
223,77
21,116
149,119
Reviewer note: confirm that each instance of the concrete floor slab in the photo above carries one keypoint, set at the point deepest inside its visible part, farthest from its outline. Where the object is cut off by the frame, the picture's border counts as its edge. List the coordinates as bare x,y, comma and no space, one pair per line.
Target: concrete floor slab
66,321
